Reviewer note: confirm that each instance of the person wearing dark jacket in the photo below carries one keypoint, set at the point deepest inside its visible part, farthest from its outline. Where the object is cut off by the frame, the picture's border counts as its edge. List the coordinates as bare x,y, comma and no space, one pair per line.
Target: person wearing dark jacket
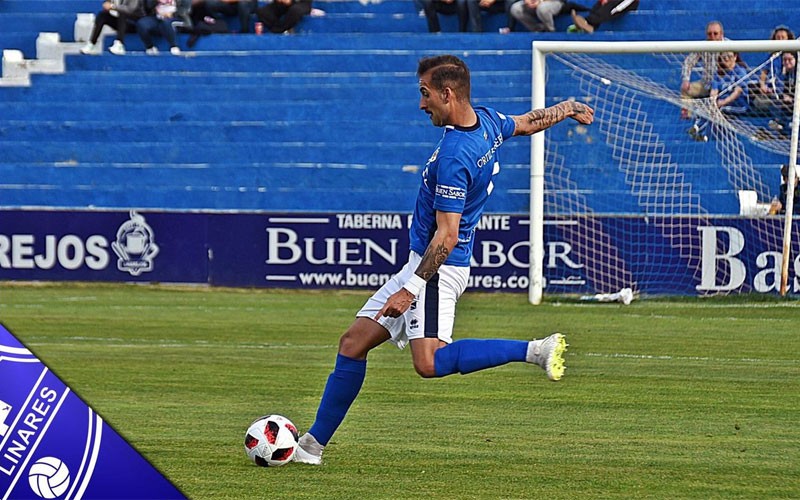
432,9
602,12
159,15
244,9
281,16
121,16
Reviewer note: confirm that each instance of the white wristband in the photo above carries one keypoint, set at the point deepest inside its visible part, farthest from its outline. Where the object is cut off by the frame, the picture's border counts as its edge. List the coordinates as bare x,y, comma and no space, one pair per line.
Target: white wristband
414,285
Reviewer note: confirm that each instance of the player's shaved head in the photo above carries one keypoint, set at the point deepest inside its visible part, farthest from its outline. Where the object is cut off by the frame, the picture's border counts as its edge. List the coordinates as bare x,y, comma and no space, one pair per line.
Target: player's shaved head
447,71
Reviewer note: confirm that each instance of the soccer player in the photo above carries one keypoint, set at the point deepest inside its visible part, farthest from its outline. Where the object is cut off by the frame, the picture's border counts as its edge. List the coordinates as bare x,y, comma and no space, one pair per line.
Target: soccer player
417,305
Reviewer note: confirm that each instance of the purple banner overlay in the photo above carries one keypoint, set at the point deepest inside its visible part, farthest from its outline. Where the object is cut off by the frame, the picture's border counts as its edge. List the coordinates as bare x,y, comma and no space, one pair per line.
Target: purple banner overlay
52,445
348,250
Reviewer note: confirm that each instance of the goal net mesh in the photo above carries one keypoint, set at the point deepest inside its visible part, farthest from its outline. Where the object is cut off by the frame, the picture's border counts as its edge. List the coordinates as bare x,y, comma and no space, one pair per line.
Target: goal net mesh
637,180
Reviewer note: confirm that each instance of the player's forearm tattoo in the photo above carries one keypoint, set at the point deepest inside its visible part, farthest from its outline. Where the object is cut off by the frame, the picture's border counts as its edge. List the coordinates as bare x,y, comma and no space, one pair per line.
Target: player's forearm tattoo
541,119
432,260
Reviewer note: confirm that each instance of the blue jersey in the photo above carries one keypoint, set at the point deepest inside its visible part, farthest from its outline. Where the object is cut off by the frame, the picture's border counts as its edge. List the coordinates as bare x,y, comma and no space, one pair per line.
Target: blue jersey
458,178
728,80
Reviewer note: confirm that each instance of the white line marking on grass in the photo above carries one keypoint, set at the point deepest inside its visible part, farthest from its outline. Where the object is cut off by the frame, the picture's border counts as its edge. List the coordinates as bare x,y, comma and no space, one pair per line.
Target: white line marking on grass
116,343
75,298
696,304
706,319
689,358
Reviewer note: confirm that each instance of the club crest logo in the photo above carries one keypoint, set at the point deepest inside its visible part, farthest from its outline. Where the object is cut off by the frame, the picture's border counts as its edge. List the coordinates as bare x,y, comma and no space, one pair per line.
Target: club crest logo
53,446
135,246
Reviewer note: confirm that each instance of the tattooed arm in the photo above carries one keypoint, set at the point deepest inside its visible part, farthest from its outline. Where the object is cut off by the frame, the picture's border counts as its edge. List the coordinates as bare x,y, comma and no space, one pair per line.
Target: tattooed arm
442,243
541,119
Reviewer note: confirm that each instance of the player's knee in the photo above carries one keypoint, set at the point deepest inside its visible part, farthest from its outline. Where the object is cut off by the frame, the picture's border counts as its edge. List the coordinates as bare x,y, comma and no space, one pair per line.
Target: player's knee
425,369
352,346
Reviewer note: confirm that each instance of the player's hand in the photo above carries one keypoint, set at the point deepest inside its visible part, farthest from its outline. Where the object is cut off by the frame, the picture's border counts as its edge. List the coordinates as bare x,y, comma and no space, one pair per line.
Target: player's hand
582,113
396,305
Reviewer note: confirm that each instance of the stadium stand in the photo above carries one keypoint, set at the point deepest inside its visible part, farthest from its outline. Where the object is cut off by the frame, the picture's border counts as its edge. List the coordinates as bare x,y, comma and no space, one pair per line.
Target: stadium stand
282,123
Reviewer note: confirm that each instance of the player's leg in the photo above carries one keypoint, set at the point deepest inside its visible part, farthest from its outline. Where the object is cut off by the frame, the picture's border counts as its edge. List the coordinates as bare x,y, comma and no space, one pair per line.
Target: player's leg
430,332
433,358
344,383
342,388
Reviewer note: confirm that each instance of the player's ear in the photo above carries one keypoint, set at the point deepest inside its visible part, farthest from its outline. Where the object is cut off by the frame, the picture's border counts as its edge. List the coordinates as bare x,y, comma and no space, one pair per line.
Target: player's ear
447,95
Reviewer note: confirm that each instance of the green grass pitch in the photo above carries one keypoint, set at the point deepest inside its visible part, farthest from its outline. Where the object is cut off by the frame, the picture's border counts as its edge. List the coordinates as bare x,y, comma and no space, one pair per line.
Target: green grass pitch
665,398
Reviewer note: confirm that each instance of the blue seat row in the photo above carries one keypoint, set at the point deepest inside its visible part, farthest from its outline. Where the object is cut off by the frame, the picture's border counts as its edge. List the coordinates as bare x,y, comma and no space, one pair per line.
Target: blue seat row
288,122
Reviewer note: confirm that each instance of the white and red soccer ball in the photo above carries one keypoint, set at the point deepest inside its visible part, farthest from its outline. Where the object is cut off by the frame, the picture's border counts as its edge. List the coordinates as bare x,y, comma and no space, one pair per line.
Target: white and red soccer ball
271,441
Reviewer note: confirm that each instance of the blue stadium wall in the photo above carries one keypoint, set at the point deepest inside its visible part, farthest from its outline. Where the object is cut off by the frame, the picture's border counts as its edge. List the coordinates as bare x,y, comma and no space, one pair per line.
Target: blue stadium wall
211,148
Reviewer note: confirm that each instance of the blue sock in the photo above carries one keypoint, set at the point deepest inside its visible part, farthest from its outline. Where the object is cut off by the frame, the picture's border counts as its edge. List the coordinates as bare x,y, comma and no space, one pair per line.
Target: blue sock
343,386
470,355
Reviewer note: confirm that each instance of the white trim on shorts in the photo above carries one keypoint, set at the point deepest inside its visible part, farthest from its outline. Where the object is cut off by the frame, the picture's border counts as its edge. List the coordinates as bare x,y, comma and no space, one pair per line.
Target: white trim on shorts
432,313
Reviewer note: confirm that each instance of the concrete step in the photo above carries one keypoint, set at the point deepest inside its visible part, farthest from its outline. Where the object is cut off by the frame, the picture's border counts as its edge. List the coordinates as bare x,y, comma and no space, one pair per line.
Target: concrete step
172,149
231,132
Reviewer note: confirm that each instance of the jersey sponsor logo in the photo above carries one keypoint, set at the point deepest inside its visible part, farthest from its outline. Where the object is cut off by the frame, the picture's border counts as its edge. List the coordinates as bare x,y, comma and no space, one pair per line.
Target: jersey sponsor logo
451,192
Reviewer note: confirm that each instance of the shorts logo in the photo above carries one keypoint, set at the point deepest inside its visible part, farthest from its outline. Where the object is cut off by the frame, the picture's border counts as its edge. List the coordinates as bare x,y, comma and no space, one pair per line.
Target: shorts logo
413,324
135,246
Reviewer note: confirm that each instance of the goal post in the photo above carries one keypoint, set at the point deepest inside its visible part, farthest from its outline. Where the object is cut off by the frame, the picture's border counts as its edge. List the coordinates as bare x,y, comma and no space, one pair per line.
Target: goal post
650,161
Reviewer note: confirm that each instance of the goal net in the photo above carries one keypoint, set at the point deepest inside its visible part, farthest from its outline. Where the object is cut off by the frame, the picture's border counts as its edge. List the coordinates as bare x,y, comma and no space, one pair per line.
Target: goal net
638,196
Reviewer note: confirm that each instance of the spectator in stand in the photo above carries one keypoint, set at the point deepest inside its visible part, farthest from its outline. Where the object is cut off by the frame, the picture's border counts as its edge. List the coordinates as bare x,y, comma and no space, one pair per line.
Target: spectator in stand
784,88
475,8
602,12
243,9
539,15
781,205
205,22
183,18
767,93
729,92
281,16
708,63
158,18
433,8
120,15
